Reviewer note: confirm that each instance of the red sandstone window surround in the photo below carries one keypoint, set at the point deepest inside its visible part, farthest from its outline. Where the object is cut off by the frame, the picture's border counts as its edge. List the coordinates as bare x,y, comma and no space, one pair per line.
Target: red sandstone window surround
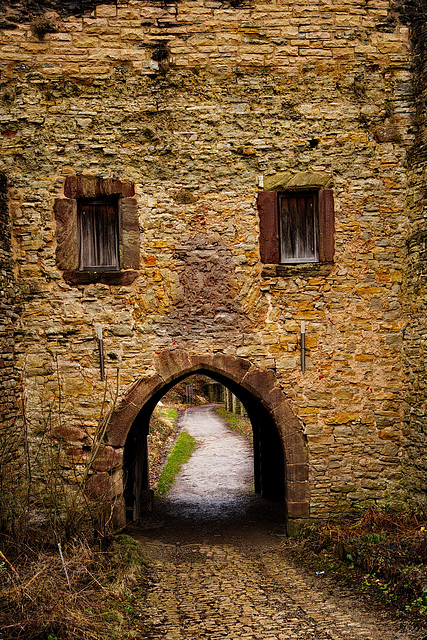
97,231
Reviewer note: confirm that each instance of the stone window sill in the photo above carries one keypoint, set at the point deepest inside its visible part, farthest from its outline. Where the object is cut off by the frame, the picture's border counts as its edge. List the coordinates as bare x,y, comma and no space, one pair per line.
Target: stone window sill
312,269
121,278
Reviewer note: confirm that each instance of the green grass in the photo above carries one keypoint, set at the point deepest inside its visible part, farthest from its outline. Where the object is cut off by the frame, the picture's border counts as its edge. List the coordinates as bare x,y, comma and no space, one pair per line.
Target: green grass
240,424
170,413
181,453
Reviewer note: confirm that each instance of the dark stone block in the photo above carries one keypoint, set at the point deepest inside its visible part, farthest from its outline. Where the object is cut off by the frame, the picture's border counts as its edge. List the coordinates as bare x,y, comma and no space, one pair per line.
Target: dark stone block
297,472
298,509
114,278
93,187
171,364
260,383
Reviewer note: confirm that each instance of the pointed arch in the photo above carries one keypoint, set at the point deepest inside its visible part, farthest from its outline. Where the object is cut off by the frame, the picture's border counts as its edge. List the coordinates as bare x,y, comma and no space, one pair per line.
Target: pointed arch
258,388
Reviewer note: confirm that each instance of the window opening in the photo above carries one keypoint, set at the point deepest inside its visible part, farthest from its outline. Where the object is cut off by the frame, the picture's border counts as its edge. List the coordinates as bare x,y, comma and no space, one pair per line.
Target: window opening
99,235
298,227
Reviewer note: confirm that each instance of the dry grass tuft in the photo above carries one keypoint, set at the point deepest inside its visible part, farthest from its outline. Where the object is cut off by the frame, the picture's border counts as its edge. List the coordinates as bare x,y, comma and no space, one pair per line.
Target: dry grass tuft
105,595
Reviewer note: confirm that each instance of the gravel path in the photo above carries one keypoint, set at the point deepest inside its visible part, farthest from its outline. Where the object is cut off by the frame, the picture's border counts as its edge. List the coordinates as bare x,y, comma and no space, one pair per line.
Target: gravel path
216,566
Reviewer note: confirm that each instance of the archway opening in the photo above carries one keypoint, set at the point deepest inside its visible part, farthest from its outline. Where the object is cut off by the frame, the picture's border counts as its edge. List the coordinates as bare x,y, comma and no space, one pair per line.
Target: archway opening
268,454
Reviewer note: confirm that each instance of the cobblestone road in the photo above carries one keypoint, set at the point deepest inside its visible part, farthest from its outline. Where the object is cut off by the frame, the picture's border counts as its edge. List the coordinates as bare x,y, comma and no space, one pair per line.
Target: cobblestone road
215,577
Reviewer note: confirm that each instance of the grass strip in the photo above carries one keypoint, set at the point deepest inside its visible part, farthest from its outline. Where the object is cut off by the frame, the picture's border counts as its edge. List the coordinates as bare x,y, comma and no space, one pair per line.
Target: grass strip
238,423
181,453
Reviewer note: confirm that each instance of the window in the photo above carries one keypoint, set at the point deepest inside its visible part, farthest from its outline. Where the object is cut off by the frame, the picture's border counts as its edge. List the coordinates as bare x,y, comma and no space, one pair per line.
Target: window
296,227
98,222
97,231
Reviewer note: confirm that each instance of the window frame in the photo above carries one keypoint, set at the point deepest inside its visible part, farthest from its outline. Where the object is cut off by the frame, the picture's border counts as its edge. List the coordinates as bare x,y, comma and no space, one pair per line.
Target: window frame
91,188
291,249
269,225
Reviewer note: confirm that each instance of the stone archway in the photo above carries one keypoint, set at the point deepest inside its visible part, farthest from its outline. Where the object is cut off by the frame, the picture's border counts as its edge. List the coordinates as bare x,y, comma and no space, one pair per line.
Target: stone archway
245,380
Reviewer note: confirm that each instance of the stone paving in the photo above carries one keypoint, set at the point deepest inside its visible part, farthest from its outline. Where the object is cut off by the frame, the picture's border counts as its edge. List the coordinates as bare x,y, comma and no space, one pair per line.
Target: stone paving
224,574
215,590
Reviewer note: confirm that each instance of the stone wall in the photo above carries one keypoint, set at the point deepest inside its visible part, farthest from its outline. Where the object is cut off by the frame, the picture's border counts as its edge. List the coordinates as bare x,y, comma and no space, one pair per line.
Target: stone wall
9,377
196,104
415,344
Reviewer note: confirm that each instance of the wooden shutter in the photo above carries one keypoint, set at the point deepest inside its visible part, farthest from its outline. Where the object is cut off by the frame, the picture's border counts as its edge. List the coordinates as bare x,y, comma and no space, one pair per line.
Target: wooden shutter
99,236
326,225
268,227
67,254
298,216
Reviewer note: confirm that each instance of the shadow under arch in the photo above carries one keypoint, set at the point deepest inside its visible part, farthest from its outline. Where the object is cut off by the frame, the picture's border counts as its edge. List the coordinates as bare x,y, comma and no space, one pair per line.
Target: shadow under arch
280,451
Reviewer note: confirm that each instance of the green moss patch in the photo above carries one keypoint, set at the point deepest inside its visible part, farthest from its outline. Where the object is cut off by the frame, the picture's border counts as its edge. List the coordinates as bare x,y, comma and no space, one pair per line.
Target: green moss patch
181,453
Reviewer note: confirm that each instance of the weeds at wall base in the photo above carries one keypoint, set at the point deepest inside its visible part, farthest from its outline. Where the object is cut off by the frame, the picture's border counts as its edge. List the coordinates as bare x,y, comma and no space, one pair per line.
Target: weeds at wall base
107,589
40,500
382,554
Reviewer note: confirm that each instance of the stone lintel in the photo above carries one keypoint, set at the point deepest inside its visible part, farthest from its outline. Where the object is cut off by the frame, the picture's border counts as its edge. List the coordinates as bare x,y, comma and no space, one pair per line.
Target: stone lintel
302,180
93,187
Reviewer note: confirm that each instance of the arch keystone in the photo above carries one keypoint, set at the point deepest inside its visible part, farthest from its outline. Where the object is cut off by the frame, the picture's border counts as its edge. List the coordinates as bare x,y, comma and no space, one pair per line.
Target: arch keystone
172,363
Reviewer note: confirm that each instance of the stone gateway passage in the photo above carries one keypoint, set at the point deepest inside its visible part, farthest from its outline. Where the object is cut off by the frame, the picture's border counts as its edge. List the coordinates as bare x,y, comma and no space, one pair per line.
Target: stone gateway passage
235,188
218,479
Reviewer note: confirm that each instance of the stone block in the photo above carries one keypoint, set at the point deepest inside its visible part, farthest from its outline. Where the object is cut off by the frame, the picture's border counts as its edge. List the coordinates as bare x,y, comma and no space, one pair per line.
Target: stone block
285,419
260,382
99,486
295,449
297,472
297,492
106,11
229,366
70,434
107,458
170,364
298,510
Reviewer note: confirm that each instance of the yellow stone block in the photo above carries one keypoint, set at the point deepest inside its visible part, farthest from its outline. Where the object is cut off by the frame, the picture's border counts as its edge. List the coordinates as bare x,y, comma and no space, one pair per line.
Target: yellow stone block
342,418
365,357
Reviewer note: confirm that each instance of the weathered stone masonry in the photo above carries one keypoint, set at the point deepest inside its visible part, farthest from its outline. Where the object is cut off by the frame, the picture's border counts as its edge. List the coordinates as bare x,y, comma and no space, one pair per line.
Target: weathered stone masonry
415,304
196,105
9,300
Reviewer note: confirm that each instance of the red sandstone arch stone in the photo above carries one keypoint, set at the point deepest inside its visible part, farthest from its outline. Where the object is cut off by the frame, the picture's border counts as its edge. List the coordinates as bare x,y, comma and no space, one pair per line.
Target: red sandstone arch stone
176,364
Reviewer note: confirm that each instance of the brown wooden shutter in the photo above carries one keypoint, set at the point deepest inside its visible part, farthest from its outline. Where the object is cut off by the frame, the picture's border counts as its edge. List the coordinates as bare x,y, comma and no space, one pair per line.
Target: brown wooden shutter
268,227
326,225
67,253
99,236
